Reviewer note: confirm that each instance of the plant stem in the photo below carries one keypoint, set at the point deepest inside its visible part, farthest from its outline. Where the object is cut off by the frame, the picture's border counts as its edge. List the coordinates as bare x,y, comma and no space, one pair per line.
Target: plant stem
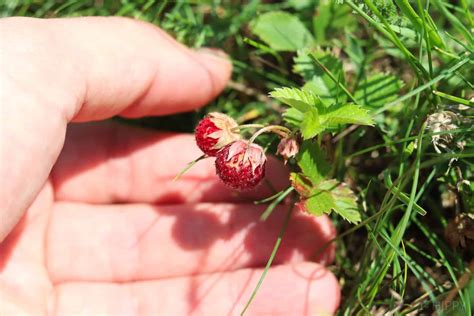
277,129
236,129
454,98
189,166
329,73
277,201
270,260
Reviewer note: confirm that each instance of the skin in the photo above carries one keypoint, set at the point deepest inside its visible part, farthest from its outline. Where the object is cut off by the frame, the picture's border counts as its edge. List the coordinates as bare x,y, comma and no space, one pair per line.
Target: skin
91,221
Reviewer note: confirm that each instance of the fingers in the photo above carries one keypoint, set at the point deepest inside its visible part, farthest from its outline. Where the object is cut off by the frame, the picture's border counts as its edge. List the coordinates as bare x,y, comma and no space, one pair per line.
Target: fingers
84,69
113,66
109,162
135,69
300,289
131,242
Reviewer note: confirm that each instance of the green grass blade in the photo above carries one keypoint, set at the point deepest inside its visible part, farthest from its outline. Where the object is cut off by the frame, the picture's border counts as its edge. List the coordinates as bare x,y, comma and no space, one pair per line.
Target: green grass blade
270,260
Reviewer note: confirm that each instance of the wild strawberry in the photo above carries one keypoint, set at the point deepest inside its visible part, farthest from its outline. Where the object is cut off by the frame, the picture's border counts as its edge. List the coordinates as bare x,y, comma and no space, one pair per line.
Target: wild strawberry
241,165
214,132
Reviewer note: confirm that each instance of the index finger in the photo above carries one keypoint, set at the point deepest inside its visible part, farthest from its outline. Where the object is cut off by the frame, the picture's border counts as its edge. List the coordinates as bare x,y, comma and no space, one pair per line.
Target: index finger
113,66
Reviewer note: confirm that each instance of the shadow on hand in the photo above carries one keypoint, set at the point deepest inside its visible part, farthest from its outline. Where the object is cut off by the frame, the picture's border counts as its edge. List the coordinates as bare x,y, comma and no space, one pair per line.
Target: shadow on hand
111,163
249,241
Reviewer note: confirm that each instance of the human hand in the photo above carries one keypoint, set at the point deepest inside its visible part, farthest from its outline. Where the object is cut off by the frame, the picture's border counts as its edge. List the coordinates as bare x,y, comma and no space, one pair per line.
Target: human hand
90,220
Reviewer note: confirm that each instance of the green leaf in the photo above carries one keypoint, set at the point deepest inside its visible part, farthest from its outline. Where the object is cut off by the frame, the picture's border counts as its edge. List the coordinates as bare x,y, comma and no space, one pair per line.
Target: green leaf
348,114
303,65
318,195
282,31
345,199
354,49
311,160
331,195
293,117
331,18
378,90
300,99
408,150
301,184
318,81
311,124
321,202
319,118
300,4
313,117
327,196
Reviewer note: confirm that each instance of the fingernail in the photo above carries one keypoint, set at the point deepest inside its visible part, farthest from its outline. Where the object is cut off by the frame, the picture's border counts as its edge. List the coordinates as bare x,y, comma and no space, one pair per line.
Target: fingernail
213,52
216,60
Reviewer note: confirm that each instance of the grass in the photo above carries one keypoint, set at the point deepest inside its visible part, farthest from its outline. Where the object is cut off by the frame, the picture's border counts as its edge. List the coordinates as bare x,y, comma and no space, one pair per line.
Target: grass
396,259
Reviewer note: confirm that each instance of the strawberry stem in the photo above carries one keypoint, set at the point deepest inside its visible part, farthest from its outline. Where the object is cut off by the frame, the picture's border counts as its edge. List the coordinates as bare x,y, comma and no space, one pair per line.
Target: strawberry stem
277,129
188,166
238,128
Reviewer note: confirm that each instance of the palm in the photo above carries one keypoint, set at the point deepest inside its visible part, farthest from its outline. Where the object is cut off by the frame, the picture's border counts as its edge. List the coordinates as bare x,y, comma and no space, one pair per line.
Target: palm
191,246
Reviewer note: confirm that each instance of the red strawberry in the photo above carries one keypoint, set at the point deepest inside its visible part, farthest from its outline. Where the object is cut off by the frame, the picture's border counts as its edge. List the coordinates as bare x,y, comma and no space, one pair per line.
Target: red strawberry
214,132
241,165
